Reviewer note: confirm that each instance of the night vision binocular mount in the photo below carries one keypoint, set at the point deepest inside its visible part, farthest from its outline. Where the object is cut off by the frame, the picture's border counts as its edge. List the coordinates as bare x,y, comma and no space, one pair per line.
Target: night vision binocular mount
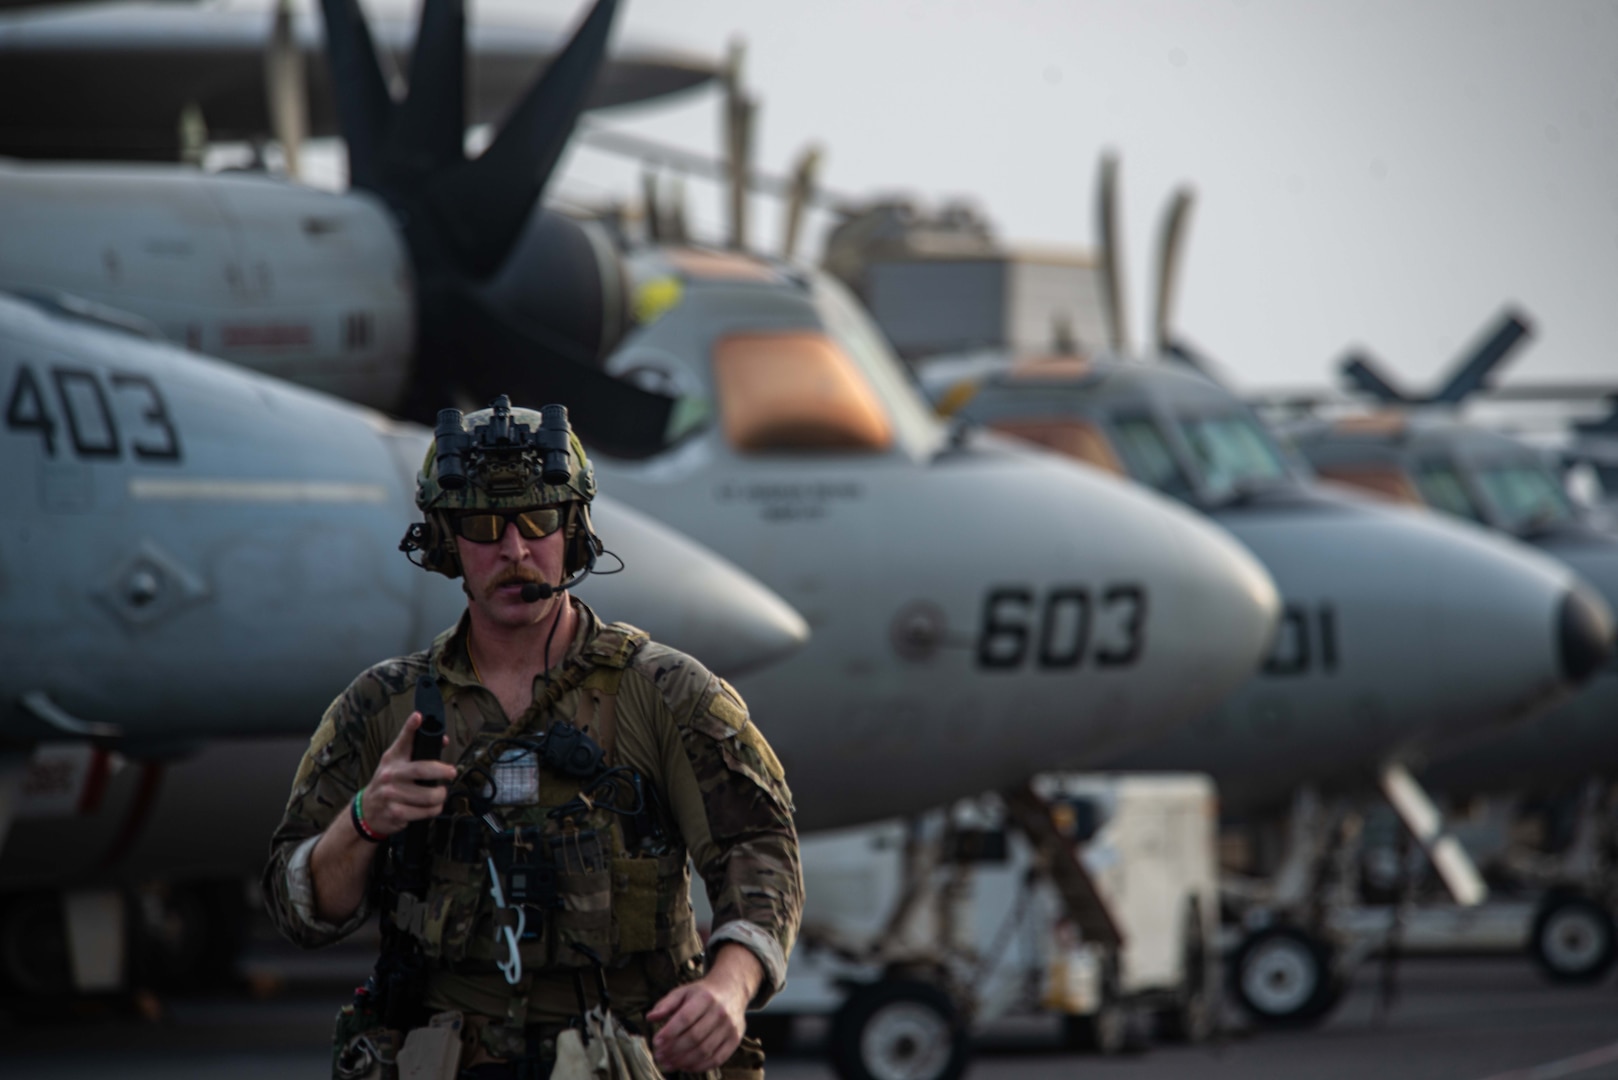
503,455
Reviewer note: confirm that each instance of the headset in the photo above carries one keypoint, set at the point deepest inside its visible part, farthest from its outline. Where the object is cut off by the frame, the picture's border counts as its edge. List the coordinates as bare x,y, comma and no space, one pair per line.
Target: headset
504,457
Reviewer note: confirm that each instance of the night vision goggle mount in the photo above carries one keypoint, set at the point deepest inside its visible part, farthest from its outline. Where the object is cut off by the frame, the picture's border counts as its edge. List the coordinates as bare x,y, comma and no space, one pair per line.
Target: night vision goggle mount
503,456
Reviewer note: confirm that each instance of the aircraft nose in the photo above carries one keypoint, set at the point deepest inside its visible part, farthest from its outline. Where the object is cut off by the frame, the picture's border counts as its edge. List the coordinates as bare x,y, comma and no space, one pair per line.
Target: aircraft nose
1585,625
688,597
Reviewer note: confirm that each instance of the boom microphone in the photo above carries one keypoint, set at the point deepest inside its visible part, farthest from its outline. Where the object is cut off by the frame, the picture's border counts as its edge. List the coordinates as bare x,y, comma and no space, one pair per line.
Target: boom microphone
535,591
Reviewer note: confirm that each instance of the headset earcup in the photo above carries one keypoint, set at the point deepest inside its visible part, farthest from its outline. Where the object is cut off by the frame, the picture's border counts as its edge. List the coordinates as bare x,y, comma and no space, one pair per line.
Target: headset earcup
440,554
583,545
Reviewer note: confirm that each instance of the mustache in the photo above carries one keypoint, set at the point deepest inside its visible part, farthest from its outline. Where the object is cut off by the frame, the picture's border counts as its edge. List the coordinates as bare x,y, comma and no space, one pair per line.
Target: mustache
514,576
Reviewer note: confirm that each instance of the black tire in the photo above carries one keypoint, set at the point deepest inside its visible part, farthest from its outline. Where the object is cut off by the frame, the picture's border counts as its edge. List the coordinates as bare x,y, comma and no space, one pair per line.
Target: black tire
898,1029
1283,977
1573,939
191,936
34,961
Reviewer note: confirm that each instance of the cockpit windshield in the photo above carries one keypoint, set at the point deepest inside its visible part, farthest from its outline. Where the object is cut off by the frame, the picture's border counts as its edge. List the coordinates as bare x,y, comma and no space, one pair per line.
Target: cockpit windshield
917,426
1524,496
1147,455
1441,485
1233,453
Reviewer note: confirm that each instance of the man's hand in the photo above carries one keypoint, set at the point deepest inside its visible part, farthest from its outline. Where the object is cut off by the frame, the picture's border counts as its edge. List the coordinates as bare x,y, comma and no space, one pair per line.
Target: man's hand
393,798
340,865
703,1022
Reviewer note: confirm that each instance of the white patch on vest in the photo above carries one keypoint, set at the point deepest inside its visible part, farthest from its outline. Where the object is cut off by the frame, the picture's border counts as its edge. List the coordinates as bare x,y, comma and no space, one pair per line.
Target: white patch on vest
516,778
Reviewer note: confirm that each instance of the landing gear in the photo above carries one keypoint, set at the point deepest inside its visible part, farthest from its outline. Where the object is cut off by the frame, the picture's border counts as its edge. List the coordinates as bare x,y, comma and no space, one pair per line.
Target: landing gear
898,1029
1573,938
1284,977
34,961
1194,1016
191,935
1105,1031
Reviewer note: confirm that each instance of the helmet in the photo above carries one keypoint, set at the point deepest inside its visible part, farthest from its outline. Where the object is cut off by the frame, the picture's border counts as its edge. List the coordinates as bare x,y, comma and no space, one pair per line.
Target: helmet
501,458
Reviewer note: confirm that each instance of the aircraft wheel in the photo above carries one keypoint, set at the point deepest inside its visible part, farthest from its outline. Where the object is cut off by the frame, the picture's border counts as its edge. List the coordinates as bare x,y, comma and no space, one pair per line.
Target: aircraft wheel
34,961
898,1029
1573,939
1283,977
192,935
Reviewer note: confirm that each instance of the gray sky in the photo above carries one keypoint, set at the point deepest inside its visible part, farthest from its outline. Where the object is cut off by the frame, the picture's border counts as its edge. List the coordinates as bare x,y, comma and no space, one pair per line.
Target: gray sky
1387,173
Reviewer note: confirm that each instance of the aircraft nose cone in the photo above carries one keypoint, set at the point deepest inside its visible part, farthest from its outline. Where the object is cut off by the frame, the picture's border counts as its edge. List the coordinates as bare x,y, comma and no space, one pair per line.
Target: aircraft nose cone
1585,630
688,597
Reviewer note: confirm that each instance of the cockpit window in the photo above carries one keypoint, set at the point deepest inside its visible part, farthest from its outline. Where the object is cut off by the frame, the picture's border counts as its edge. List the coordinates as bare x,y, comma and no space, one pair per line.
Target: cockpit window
1233,452
1148,455
1444,489
796,390
1524,496
852,329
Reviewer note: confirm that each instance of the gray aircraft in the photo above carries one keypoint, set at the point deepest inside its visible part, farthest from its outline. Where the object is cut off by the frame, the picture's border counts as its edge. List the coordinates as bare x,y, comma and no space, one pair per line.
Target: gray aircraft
196,554
1399,630
897,544
1415,453
502,294
111,82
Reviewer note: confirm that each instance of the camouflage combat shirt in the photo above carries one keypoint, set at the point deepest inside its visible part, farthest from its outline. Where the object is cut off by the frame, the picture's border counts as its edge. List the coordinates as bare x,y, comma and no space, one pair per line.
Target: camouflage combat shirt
686,732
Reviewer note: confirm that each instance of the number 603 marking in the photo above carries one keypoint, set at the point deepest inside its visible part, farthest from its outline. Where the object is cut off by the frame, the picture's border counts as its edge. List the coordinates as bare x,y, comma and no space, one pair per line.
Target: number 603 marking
1063,629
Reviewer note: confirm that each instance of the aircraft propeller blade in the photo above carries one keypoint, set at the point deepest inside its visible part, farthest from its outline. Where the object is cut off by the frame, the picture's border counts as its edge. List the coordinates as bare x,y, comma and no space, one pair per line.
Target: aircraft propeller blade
364,105
619,418
284,88
1361,372
803,189
483,203
462,219
1171,242
1112,285
738,118
428,132
1473,374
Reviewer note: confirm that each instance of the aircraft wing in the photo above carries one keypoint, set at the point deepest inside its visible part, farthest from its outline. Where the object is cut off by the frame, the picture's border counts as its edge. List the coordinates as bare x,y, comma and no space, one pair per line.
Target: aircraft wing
101,82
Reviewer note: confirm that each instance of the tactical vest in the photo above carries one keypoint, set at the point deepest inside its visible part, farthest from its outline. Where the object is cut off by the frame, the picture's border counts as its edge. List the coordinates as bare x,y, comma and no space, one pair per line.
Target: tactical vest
589,866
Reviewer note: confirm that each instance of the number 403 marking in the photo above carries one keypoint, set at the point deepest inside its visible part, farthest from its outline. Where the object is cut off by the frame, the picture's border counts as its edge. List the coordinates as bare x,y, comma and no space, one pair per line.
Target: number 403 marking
85,406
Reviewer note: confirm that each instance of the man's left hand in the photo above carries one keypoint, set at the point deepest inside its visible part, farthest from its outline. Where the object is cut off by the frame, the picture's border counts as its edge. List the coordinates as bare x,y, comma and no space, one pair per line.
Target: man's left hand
703,1022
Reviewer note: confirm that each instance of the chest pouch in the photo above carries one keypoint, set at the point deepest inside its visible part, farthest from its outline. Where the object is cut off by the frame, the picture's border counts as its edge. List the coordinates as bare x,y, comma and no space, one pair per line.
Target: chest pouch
583,916
522,858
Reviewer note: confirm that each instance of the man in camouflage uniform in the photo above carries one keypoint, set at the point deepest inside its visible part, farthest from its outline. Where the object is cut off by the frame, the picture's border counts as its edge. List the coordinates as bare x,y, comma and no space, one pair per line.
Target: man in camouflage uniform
545,884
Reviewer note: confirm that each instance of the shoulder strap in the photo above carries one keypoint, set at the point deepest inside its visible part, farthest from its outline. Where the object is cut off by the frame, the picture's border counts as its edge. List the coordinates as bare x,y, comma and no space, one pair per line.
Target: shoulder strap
615,646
